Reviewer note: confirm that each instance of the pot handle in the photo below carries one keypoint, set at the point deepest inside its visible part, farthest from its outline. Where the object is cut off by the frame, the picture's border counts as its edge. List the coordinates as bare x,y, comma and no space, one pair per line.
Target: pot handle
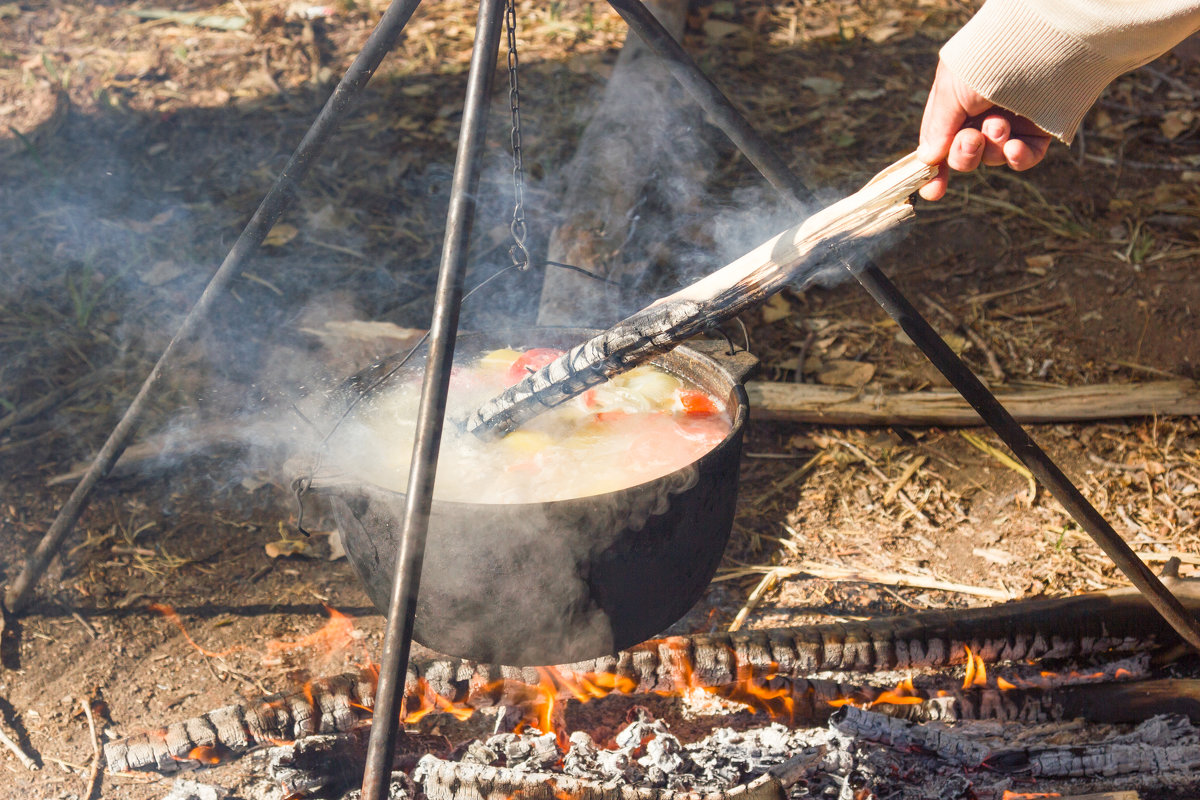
738,363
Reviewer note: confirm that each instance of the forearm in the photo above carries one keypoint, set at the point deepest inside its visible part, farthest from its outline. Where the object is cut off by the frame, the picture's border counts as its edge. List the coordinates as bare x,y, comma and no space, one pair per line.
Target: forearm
1048,60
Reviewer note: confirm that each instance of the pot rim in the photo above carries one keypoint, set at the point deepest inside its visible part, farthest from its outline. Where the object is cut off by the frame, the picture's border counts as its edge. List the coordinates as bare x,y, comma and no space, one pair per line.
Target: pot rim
737,420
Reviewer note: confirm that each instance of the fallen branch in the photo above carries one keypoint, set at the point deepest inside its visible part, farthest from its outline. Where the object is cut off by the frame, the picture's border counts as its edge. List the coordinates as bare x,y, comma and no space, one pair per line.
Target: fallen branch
866,575
16,750
832,405
93,778
798,253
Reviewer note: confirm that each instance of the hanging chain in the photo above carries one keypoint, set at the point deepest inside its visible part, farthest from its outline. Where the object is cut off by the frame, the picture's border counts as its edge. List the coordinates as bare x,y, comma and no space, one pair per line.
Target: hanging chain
520,255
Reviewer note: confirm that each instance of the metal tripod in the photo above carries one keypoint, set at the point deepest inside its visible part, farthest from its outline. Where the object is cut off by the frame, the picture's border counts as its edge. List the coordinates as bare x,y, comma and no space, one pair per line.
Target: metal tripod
443,330
772,166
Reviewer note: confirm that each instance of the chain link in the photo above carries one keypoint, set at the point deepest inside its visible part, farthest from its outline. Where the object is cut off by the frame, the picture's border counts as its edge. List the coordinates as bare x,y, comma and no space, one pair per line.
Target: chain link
520,255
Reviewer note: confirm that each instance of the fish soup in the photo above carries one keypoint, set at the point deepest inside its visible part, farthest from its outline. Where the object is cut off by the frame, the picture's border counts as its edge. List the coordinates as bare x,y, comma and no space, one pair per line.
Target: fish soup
638,426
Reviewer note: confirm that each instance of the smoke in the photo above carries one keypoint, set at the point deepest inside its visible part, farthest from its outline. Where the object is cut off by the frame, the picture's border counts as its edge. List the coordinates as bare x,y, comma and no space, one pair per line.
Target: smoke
116,221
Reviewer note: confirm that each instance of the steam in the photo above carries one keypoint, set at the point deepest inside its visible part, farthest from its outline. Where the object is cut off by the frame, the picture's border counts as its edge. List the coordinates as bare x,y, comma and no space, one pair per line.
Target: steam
120,236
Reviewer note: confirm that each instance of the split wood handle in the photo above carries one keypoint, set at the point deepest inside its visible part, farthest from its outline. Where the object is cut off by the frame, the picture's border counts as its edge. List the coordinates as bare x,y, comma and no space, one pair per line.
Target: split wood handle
798,254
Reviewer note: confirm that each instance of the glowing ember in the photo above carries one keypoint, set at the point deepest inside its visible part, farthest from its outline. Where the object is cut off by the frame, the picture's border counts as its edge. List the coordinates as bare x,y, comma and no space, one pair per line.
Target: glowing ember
205,754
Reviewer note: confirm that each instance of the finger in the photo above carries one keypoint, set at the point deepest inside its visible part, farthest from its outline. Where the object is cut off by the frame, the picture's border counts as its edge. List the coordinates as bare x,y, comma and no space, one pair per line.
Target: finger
943,118
1024,152
936,188
996,130
966,152
949,105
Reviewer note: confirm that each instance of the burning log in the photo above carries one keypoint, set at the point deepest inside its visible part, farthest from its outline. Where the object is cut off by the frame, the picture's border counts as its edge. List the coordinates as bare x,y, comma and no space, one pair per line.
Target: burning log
904,735
763,669
325,705
1152,749
1096,623
797,252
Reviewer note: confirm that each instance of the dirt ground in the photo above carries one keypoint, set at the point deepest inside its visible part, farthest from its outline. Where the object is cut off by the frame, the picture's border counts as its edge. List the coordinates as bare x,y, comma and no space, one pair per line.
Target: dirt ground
135,146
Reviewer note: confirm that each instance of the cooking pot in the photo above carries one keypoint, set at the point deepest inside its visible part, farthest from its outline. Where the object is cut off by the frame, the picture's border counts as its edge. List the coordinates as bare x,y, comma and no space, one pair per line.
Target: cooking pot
561,581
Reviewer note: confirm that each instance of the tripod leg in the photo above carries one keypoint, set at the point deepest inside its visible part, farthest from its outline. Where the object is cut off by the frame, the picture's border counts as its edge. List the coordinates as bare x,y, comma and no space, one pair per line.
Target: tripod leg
872,278
402,606
378,44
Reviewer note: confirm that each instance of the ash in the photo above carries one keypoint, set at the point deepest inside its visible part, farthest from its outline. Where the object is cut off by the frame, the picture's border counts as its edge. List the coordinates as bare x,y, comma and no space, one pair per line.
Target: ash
846,765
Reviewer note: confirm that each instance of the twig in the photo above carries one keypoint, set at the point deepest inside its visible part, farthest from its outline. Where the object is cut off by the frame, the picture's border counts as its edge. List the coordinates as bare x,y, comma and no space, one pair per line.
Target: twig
21,755
867,575
904,478
832,572
765,585
992,361
795,477
94,773
1005,459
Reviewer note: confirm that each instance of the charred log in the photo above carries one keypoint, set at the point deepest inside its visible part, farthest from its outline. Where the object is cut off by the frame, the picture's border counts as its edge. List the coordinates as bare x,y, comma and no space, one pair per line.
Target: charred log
905,735
326,705
1099,623
746,667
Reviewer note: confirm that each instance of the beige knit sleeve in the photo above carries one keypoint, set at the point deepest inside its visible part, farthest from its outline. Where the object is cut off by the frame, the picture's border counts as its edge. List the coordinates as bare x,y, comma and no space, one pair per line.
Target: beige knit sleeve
1048,60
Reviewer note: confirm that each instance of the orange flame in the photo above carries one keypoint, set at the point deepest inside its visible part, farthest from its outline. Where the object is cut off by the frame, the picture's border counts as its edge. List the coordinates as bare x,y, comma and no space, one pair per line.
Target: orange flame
758,689
1004,685
976,670
170,614
335,636
903,695
1027,795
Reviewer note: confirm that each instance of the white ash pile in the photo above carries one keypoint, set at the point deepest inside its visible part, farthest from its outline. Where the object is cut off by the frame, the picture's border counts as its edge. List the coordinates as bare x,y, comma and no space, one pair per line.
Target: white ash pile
861,754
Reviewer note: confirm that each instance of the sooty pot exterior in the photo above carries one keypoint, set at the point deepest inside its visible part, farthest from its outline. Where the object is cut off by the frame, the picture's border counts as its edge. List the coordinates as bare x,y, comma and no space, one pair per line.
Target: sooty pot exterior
556,582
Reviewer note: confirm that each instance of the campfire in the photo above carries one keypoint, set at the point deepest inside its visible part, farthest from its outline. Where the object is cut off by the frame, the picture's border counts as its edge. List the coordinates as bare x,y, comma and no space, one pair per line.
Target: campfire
973,704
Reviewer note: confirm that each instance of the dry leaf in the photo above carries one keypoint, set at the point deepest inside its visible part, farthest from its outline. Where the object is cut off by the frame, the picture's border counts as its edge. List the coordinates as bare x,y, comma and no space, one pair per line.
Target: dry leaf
281,234
881,33
1039,264
718,29
161,272
775,309
1176,122
824,87
286,547
841,372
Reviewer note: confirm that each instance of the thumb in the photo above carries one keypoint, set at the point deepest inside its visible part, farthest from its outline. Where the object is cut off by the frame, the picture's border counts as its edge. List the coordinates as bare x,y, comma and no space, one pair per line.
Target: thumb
950,104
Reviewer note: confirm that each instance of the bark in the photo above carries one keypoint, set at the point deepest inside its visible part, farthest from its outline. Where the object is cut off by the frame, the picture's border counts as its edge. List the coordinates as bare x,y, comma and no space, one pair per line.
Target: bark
801,250
326,705
831,405
904,735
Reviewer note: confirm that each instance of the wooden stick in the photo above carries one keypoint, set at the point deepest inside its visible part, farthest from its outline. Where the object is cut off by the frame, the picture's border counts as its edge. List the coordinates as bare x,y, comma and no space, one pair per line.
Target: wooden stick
798,253
16,750
832,405
97,760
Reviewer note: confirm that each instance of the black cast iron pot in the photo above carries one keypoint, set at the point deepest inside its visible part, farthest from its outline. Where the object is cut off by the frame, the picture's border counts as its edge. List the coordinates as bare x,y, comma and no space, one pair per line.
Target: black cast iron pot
555,582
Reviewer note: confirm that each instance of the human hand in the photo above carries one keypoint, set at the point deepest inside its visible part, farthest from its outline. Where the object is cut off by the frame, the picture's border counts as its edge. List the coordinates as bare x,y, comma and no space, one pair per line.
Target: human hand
962,129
